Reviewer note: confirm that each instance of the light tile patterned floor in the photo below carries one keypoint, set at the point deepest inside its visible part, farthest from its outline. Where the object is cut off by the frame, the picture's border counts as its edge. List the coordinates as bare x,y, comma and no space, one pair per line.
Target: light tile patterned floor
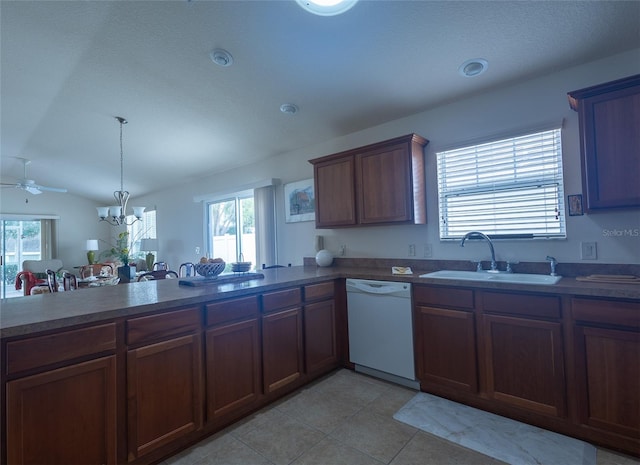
342,419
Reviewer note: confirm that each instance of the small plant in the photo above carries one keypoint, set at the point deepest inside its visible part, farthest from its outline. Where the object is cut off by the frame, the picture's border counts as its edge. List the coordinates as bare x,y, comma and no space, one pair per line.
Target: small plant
120,250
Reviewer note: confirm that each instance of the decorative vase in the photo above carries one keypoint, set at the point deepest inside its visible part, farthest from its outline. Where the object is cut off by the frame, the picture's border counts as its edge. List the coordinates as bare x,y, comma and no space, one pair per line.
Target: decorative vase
324,258
126,273
150,259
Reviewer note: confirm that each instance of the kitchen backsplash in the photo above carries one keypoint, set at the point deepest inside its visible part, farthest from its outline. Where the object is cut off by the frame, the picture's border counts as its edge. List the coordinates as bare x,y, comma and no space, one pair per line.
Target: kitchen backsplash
425,266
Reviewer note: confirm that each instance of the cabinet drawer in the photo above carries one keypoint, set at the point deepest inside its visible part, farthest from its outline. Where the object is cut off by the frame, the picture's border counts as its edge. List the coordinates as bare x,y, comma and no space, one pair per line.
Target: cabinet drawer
443,297
537,306
40,351
153,327
232,310
318,291
613,312
281,299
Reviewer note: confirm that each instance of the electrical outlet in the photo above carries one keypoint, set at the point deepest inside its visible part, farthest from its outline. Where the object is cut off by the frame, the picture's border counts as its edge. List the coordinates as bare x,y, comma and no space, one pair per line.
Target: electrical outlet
343,250
197,250
588,250
412,250
428,251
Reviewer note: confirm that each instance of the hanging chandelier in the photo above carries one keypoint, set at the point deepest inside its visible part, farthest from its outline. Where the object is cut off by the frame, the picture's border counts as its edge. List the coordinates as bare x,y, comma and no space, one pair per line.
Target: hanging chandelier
116,215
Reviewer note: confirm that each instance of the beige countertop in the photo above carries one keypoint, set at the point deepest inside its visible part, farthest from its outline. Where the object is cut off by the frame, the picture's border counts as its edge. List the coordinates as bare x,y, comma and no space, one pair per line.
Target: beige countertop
33,314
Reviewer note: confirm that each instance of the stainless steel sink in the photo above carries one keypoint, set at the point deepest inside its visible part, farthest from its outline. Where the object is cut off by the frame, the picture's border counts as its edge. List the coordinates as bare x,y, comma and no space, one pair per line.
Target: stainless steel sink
518,278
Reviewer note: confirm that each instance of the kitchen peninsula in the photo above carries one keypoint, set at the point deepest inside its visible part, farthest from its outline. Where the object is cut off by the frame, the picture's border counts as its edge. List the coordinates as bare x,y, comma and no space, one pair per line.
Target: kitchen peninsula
149,368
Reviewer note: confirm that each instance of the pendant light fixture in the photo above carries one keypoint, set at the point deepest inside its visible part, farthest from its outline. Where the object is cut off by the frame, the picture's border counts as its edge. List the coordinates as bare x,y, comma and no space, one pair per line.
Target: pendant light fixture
116,215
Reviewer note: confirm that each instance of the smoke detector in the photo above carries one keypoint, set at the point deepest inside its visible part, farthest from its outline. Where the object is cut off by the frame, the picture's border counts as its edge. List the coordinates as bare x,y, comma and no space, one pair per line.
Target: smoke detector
221,57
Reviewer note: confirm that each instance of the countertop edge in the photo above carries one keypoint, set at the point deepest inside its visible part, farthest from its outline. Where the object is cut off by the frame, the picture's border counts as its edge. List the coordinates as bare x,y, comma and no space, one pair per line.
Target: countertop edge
24,316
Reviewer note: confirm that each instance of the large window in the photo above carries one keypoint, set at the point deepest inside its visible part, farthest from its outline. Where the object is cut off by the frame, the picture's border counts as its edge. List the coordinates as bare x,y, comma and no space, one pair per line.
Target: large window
232,229
509,188
143,229
28,239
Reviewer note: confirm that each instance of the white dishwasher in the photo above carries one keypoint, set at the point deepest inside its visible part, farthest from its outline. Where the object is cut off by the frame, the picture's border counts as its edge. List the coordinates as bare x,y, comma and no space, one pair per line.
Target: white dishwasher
381,330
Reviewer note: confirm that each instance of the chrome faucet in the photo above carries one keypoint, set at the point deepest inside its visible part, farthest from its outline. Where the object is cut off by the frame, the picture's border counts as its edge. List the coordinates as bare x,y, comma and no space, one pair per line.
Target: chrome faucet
494,264
553,264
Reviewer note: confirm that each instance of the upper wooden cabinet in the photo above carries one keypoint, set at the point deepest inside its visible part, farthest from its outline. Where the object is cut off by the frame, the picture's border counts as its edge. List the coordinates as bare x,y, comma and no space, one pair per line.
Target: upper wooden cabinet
609,117
382,183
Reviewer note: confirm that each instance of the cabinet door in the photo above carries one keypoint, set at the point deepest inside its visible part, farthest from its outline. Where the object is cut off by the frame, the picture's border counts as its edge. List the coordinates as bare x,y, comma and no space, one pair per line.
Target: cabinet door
335,193
446,348
233,367
320,337
64,416
383,184
608,371
281,348
525,363
164,383
610,141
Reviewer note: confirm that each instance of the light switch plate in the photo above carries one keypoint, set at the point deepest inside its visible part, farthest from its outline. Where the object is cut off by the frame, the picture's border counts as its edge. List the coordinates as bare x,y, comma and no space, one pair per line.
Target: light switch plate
588,250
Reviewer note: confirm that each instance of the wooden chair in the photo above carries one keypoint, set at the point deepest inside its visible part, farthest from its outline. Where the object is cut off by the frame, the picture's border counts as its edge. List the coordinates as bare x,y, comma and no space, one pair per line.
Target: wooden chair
33,278
69,281
97,269
188,268
158,274
52,280
160,266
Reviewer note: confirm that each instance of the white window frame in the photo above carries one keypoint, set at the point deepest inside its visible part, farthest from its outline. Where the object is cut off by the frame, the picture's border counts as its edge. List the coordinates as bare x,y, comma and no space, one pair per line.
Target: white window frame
142,229
483,187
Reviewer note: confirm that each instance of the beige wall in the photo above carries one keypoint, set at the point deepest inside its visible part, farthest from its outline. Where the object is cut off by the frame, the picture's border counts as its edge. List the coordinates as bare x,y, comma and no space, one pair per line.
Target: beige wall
523,105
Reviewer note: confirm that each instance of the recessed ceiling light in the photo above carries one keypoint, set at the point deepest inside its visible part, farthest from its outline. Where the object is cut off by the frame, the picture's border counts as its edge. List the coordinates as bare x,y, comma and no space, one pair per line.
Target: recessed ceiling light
473,67
289,108
326,7
221,57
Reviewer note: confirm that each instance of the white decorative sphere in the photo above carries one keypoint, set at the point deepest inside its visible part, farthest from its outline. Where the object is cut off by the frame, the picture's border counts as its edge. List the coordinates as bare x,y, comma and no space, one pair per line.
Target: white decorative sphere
324,258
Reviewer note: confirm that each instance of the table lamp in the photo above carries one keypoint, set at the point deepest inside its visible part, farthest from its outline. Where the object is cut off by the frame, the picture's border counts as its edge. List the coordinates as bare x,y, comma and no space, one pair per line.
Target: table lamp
92,246
149,245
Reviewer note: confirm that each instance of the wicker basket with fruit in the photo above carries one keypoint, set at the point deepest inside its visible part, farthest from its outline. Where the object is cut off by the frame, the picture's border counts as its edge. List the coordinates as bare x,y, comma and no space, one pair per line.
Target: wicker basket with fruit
210,267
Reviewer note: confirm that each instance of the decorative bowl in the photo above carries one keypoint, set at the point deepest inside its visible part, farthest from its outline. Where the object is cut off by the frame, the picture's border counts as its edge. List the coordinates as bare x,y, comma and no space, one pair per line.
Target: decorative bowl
240,267
210,269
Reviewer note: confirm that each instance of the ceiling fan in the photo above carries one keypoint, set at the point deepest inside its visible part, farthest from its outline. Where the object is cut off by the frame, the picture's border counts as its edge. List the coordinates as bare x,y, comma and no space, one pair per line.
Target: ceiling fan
30,185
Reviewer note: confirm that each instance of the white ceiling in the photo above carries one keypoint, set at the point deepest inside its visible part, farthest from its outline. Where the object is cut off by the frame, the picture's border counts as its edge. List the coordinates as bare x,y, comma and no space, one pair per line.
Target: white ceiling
69,67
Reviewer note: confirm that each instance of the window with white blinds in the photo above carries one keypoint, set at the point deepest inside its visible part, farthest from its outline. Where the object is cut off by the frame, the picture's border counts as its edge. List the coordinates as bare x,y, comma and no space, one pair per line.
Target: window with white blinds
510,188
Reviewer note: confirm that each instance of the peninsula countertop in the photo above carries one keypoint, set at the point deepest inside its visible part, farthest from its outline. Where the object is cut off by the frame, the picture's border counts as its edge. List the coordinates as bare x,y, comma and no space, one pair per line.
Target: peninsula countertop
34,314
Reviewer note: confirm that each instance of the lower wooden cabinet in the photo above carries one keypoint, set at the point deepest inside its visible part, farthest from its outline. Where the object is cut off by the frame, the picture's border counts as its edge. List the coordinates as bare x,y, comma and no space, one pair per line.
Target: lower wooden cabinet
445,338
164,380
64,416
525,363
233,367
320,342
609,374
607,359
446,348
282,348
568,364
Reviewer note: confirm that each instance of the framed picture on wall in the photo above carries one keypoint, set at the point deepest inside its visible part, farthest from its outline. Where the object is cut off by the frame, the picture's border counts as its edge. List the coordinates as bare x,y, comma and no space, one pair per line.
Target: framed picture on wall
299,201
575,205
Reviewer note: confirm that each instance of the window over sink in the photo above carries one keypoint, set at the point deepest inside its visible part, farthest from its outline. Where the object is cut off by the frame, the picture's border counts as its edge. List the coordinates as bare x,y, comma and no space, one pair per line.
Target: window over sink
507,188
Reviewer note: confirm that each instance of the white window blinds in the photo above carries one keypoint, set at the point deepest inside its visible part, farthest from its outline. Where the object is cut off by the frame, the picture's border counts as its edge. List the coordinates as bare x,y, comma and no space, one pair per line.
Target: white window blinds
510,188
